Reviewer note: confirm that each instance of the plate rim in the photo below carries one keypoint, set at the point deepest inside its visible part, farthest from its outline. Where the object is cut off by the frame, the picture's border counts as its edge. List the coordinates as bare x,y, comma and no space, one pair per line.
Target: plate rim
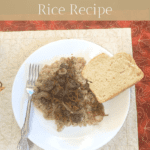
42,48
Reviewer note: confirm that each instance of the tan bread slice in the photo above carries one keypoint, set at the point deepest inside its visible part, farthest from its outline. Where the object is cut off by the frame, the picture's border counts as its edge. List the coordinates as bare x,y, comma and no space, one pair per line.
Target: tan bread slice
101,59
111,75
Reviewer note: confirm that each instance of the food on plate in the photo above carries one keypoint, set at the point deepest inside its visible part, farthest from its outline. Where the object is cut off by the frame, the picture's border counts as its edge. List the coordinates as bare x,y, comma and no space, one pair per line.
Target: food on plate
109,76
63,95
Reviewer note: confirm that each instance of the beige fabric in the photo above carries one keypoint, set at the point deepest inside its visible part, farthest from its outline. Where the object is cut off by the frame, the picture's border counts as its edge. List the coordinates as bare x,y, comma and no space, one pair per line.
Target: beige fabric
15,47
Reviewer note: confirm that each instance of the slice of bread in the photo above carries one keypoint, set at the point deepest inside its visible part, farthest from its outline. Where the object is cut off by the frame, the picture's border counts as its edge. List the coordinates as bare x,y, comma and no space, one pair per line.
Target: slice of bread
110,76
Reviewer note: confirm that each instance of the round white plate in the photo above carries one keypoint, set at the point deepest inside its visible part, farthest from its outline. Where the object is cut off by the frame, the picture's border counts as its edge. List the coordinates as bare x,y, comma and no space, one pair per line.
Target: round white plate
42,132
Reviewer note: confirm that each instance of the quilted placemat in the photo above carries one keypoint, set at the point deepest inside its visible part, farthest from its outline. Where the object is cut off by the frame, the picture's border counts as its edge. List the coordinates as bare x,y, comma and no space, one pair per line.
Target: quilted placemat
15,47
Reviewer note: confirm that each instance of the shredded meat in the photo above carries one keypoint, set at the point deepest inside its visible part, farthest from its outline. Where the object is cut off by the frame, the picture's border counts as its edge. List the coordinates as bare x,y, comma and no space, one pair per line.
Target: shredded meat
63,95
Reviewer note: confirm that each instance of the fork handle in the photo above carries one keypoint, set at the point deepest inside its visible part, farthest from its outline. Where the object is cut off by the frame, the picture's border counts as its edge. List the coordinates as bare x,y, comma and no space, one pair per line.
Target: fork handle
23,143
25,128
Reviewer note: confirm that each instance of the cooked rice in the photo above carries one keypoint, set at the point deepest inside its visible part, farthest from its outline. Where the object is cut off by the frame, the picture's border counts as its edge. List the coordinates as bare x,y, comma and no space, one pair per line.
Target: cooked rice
63,95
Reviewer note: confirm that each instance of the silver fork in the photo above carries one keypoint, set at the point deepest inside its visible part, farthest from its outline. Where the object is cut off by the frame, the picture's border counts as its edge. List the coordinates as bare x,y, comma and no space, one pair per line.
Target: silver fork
32,77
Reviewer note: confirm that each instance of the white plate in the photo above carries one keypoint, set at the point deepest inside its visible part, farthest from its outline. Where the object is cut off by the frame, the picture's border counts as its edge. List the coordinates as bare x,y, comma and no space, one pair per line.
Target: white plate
42,132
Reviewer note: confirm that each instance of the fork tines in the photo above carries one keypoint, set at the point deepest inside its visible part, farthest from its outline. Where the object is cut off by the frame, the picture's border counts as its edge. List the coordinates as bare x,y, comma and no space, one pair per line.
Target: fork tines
33,73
